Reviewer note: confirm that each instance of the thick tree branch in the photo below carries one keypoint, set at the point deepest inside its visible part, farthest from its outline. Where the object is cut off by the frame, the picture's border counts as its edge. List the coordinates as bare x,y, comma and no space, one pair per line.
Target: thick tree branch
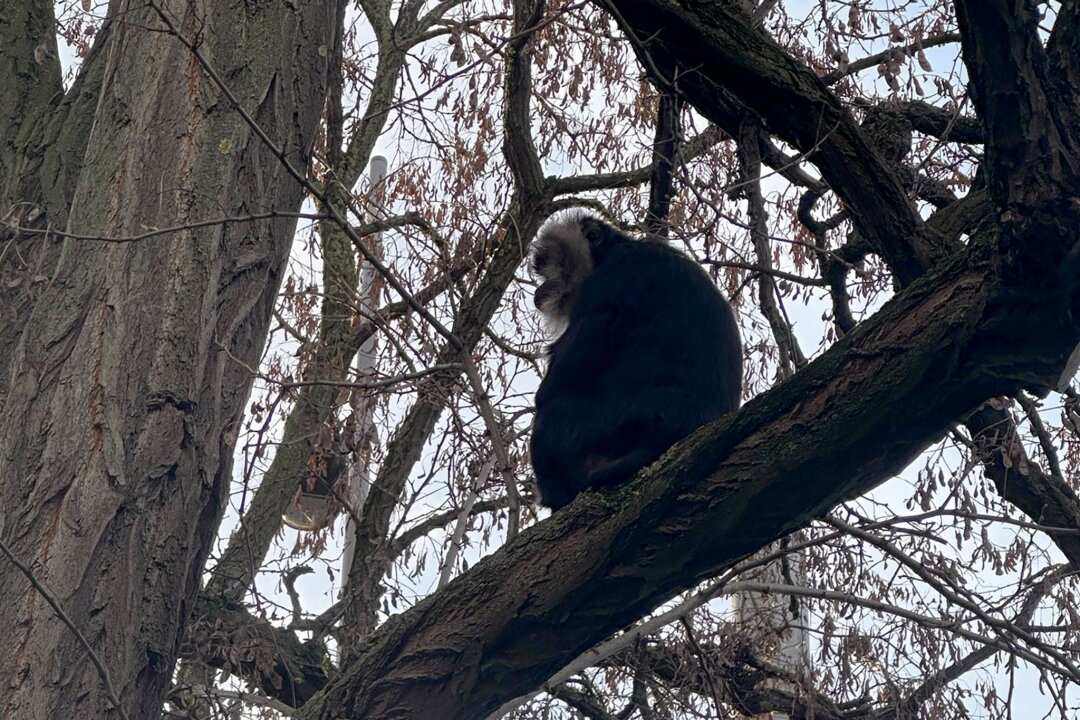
225,635
665,150
518,146
866,408
1063,50
941,124
1030,153
673,39
961,217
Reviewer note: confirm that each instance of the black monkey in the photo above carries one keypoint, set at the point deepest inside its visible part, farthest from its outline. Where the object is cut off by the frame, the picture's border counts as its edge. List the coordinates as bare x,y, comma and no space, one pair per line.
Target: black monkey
649,352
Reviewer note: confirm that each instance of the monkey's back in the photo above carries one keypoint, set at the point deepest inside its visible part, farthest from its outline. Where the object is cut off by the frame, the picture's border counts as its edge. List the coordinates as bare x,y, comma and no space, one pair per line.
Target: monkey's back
651,352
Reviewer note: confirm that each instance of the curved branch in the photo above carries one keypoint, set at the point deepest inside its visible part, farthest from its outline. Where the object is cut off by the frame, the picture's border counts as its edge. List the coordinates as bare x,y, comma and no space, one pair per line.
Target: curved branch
674,39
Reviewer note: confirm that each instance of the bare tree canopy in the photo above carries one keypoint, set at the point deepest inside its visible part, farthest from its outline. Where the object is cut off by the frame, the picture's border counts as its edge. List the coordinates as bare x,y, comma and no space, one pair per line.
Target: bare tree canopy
268,352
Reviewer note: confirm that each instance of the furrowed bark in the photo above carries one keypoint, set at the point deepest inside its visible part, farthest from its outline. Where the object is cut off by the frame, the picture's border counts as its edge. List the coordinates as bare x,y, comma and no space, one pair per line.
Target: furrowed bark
130,374
30,77
46,142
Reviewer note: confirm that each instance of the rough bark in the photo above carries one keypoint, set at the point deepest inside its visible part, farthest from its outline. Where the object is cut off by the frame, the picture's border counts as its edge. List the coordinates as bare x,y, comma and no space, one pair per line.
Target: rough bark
129,376
30,77
45,134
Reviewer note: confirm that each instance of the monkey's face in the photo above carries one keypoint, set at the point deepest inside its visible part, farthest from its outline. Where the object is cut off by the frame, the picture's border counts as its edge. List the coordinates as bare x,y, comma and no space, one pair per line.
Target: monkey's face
548,299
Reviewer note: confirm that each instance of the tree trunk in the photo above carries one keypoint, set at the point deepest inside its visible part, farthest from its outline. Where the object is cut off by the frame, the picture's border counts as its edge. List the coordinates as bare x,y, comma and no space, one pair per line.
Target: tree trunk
127,382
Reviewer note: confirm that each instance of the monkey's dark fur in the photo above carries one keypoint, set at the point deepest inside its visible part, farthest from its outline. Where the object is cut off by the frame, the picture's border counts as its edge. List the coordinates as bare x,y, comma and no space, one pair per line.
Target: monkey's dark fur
649,352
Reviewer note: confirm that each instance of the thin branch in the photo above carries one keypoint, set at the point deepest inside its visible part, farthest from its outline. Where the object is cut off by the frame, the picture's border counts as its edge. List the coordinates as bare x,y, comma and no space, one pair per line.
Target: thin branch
360,385
1045,441
833,271
772,272
705,669
293,331
248,698
414,533
47,595
934,581
874,60
929,621
791,355
462,523
498,446
953,671
158,232
392,222
583,703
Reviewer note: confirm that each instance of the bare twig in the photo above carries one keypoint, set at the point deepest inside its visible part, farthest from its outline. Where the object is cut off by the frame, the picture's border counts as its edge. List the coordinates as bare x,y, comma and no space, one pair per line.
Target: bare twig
158,232
870,61
463,522
1006,627
498,447
47,595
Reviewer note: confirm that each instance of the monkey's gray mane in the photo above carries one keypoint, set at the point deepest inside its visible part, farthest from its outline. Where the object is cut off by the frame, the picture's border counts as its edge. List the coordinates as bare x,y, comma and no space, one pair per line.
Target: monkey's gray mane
561,257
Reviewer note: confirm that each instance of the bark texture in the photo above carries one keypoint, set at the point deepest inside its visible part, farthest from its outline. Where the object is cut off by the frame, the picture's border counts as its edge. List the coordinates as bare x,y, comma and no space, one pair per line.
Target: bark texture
128,378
